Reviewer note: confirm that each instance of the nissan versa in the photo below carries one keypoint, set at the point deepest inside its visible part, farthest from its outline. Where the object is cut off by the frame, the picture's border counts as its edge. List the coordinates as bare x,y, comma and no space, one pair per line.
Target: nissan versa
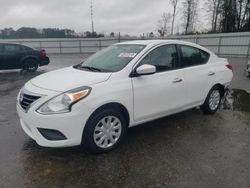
124,85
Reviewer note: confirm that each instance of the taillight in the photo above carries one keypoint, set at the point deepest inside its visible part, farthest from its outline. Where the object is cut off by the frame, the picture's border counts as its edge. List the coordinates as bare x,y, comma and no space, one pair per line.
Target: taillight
43,53
229,66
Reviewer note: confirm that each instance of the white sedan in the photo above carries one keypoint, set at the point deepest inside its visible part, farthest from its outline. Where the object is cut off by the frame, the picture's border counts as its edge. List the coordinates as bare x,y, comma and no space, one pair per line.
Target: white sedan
124,85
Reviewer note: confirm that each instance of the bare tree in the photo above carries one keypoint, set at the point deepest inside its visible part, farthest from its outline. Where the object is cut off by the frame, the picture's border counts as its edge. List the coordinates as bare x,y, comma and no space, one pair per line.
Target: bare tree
163,24
239,16
174,3
214,9
229,15
243,8
217,12
234,15
190,10
245,23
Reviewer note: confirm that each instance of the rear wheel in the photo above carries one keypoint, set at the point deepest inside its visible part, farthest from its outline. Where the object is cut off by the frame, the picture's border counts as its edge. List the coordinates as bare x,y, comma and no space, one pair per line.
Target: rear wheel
104,131
30,65
213,101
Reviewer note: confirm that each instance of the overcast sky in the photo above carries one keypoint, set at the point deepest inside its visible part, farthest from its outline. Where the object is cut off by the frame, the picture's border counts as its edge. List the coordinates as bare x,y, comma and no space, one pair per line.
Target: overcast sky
126,16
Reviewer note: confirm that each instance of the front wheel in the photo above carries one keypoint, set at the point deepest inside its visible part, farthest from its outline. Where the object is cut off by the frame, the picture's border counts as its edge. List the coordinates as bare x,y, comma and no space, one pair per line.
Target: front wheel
104,131
213,101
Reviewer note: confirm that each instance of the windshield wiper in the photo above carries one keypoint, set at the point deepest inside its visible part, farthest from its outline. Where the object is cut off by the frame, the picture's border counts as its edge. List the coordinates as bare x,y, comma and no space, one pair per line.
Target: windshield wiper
92,68
88,68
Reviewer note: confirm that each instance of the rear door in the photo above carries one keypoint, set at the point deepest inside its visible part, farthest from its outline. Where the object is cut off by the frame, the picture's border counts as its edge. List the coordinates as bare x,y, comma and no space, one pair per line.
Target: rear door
12,55
199,74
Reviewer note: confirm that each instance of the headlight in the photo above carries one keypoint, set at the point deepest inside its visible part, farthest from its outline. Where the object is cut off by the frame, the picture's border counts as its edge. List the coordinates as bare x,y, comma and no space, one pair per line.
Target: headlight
63,102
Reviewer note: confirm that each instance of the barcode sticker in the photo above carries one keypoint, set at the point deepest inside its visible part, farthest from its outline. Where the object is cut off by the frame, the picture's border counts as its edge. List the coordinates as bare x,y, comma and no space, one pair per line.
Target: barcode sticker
127,55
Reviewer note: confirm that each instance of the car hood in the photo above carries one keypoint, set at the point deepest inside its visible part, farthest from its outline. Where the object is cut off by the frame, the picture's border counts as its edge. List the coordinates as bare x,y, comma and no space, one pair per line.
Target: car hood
68,78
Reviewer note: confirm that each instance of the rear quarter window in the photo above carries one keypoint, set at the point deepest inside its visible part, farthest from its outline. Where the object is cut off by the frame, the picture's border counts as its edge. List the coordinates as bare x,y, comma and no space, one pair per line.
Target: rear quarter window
26,48
192,56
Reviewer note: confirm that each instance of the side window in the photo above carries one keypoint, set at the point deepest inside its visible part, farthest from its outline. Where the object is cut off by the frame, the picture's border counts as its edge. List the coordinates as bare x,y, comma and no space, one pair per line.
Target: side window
193,56
164,58
10,48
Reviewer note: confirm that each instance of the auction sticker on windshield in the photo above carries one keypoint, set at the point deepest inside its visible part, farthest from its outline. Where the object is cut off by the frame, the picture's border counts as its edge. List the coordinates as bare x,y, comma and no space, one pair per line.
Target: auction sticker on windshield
127,55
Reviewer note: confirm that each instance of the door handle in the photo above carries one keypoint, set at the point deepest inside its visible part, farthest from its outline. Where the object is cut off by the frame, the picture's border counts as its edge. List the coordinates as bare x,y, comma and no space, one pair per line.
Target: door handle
177,80
211,73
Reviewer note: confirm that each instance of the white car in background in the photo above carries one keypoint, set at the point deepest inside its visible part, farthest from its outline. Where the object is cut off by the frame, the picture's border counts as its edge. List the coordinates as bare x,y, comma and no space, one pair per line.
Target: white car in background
124,85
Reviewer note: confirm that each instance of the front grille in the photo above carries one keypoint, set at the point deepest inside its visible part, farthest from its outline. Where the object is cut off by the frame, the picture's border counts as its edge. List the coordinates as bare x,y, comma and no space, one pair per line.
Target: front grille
26,100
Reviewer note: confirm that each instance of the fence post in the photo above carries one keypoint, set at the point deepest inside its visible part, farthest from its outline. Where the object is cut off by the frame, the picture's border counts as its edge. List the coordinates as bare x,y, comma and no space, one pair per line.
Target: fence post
119,37
197,40
219,47
60,46
100,44
248,50
80,46
40,44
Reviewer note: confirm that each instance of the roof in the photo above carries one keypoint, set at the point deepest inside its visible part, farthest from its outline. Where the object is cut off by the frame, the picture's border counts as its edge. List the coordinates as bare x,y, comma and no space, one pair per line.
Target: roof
155,42
11,43
164,41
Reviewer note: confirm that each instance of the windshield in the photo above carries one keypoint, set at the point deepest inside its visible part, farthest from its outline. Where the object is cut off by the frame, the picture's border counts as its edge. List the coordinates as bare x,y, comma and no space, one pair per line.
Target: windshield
111,59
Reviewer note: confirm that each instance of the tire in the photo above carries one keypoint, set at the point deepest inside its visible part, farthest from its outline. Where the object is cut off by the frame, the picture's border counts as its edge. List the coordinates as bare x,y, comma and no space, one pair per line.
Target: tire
213,101
97,135
30,65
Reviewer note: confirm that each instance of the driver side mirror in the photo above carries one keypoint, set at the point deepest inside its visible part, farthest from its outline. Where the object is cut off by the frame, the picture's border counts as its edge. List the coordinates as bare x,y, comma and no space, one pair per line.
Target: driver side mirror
145,69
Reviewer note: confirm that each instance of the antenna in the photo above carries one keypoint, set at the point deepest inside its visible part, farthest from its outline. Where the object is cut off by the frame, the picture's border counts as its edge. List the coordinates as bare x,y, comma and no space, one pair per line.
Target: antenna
92,16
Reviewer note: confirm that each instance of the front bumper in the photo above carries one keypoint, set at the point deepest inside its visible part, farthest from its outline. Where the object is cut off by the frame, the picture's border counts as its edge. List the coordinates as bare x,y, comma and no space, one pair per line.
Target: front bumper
71,124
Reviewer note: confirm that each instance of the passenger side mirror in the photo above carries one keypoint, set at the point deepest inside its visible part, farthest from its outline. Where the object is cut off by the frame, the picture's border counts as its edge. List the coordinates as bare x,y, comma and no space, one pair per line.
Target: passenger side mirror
145,70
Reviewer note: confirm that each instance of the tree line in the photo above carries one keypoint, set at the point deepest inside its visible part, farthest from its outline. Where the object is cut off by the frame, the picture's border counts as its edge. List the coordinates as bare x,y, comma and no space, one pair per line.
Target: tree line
222,15
29,32
229,15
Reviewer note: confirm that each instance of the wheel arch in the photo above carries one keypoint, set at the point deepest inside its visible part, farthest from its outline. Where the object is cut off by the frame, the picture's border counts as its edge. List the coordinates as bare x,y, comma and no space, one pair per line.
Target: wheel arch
112,105
222,88
29,57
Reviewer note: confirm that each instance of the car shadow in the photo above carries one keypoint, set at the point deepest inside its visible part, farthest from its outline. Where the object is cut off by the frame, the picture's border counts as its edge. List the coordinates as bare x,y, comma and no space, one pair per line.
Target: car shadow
147,131
147,145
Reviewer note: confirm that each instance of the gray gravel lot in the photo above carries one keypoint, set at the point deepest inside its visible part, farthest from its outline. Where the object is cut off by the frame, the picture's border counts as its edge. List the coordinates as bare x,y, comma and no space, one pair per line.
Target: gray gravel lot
184,150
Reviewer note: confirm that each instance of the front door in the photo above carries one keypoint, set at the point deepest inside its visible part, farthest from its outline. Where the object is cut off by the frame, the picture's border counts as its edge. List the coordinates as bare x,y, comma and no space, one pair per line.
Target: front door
11,56
163,92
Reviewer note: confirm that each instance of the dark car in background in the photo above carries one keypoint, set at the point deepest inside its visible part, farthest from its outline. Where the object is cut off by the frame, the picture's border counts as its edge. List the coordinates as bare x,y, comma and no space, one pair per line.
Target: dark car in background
17,56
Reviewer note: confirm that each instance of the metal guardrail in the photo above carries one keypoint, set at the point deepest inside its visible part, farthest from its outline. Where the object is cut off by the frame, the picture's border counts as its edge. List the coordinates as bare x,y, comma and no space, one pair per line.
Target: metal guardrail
232,44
